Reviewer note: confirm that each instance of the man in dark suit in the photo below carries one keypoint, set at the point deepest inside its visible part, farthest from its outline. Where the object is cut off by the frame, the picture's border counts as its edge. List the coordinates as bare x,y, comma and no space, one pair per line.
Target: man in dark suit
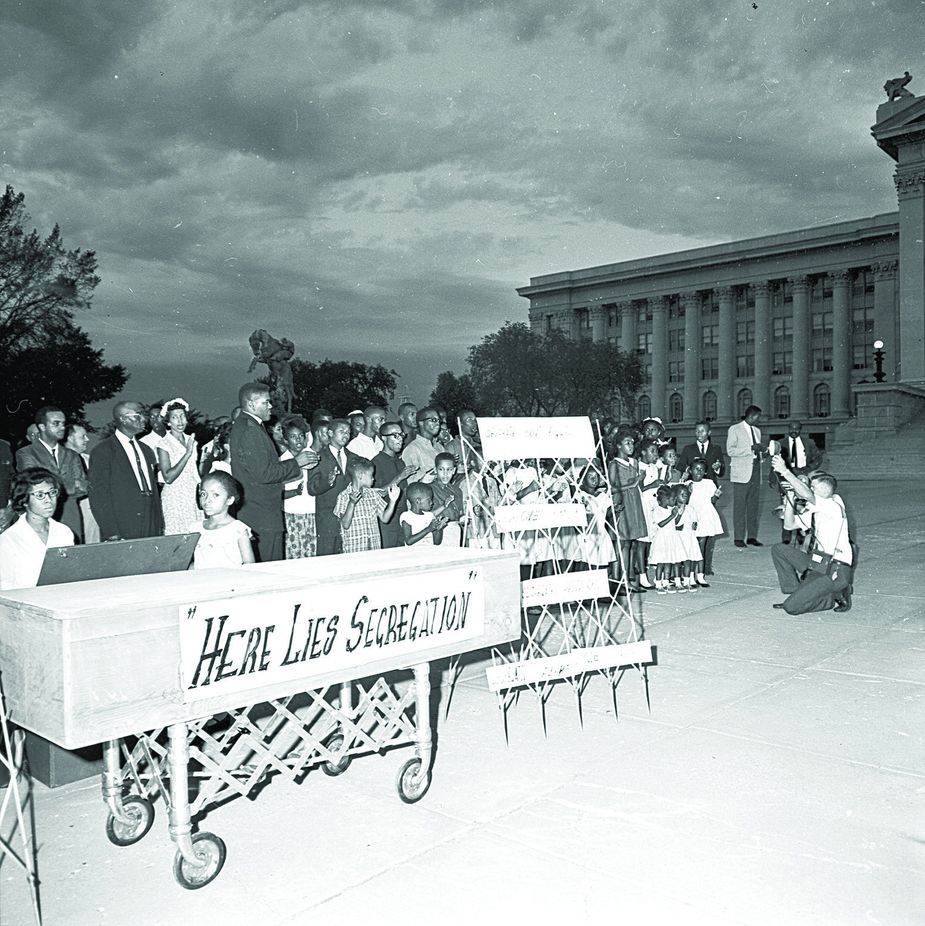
706,449
801,456
49,452
124,496
255,463
326,482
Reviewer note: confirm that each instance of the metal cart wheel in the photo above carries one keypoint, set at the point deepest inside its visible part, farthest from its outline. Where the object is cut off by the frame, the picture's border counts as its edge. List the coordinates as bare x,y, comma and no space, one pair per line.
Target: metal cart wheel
412,782
140,812
336,743
211,851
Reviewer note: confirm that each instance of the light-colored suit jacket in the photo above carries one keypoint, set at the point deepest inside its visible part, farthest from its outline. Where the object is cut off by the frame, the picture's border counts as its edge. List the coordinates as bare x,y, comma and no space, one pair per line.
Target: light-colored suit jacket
739,440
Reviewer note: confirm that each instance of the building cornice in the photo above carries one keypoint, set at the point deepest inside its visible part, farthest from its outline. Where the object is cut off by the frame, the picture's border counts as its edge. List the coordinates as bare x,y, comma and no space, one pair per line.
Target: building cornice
856,233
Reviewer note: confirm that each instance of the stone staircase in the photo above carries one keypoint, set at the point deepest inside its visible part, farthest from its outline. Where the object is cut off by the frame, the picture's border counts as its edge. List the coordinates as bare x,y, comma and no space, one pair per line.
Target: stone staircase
858,453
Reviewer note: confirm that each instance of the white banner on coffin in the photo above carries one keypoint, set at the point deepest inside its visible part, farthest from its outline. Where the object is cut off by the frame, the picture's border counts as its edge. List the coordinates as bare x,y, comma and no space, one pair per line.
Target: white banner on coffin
246,642
534,671
510,518
535,438
570,586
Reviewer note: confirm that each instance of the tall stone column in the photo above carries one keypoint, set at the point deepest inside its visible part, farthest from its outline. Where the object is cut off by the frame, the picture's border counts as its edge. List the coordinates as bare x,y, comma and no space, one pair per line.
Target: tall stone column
762,391
627,327
598,317
571,328
727,351
691,303
885,314
910,191
799,389
841,344
900,132
659,356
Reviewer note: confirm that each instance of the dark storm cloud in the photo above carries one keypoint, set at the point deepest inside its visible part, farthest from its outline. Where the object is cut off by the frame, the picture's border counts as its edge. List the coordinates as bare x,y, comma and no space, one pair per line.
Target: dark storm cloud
378,175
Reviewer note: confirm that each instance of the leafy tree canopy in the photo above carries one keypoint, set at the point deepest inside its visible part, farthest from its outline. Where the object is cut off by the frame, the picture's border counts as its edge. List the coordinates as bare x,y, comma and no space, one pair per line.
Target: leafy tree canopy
45,357
340,385
455,394
517,372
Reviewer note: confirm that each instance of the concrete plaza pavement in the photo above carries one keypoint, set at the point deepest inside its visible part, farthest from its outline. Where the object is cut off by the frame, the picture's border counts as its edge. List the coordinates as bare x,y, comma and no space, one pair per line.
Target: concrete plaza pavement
777,776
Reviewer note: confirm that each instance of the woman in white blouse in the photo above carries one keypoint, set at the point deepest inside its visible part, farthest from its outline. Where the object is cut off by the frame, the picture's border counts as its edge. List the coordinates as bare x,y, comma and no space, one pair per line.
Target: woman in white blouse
22,546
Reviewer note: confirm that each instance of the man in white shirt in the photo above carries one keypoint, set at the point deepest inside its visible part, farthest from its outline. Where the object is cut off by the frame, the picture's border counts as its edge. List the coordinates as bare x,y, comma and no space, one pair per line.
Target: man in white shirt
422,451
829,583
367,443
743,447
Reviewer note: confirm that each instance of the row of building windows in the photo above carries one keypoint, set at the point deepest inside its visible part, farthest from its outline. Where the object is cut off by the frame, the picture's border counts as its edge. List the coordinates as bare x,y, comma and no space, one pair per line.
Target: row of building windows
822,404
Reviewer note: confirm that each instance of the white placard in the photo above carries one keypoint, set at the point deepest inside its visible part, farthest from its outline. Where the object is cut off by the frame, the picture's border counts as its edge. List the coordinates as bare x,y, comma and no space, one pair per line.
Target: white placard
535,517
594,658
250,641
571,586
535,438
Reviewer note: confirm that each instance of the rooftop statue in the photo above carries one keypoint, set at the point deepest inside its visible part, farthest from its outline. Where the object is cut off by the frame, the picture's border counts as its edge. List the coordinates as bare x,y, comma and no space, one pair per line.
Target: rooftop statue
895,87
276,354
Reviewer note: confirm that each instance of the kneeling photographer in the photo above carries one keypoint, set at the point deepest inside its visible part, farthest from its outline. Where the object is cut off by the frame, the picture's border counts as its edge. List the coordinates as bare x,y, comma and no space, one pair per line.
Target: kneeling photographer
819,578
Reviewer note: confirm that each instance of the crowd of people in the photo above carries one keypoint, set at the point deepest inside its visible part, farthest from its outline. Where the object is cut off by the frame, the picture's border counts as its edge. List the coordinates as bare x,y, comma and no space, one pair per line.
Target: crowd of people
298,487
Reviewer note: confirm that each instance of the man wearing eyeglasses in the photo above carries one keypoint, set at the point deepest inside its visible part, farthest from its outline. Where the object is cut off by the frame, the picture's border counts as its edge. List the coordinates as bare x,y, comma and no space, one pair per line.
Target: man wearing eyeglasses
124,495
421,453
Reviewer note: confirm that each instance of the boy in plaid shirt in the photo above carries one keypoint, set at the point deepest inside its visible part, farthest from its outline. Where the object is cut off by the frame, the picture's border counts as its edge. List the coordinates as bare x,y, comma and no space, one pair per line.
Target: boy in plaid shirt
360,507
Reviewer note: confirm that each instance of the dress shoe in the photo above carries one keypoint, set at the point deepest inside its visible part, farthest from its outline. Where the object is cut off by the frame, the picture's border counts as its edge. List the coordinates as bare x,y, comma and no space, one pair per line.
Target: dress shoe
740,544
703,584
754,543
843,601
778,604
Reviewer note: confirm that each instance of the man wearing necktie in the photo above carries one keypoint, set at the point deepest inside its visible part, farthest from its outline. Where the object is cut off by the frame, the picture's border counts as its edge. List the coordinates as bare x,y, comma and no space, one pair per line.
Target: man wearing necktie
124,496
48,452
326,481
703,447
255,463
801,456
743,445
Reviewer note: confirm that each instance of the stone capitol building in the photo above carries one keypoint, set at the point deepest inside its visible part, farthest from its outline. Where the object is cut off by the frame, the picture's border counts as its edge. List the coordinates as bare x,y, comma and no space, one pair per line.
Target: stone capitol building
825,324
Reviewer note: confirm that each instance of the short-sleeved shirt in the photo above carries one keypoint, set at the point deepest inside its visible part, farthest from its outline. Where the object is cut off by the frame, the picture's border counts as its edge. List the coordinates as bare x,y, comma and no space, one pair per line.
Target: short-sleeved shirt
363,533
220,547
417,523
421,453
831,527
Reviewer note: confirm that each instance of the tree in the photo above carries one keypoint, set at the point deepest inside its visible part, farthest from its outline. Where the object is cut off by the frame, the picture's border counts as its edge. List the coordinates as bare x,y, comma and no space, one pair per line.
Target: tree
517,372
340,385
45,358
454,394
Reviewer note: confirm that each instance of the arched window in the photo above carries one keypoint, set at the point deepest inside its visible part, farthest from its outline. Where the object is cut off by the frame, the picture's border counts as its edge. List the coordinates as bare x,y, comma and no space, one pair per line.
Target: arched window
781,402
822,401
743,400
643,408
709,406
676,407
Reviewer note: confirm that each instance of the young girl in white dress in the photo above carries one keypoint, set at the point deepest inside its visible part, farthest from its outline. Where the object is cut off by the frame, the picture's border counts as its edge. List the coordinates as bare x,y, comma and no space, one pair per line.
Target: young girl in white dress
176,457
709,525
593,546
666,549
691,560
223,541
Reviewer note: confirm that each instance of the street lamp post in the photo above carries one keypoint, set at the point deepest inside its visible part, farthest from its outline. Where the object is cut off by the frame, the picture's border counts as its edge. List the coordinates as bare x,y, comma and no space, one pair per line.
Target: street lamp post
879,375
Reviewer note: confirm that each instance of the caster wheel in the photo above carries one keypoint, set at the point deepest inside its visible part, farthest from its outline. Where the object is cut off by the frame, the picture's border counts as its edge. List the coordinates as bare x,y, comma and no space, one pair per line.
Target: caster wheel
141,813
211,850
336,743
412,783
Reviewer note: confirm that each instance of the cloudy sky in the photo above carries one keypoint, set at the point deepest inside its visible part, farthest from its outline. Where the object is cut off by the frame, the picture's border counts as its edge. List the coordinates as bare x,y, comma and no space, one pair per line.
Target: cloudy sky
373,178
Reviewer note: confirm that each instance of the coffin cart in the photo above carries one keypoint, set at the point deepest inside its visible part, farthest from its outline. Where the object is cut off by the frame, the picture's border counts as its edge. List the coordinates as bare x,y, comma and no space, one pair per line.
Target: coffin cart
237,674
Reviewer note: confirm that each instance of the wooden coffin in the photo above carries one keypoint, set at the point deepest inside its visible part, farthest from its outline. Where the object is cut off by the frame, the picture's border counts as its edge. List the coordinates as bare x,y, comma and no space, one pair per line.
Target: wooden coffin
91,661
